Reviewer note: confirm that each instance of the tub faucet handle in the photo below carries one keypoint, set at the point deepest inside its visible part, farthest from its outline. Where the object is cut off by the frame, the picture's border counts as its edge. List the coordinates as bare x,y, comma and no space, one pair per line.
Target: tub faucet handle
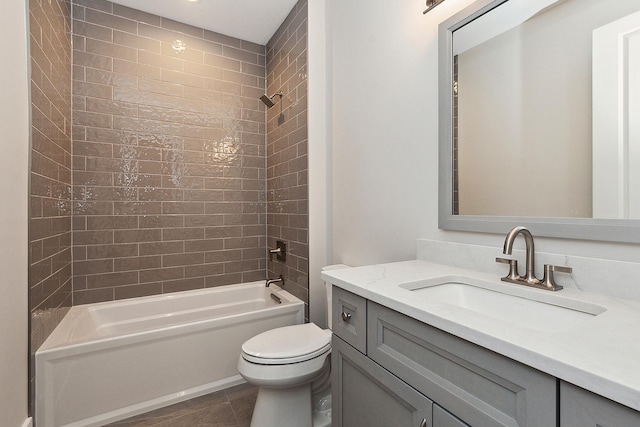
280,251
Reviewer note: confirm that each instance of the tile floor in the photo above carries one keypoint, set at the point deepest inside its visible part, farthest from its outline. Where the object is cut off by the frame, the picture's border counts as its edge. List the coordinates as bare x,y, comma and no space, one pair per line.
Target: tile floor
226,408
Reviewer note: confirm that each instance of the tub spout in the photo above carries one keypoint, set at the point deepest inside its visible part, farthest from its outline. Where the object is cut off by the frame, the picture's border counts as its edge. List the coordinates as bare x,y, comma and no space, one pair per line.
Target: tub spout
280,280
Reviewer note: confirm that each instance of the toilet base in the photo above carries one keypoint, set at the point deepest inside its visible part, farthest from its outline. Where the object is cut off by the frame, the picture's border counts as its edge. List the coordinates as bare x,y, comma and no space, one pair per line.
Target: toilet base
283,407
322,418
322,410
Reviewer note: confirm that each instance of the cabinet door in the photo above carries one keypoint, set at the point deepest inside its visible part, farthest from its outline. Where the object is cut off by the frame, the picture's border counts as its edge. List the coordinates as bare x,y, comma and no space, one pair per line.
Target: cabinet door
482,388
581,408
366,395
442,418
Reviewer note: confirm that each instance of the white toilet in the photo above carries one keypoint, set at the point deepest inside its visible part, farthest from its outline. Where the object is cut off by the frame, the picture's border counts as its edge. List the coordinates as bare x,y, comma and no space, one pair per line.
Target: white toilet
291,367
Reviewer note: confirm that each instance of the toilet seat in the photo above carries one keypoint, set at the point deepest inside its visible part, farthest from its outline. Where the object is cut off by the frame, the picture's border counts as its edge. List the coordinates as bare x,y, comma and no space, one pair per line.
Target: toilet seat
287,345
291,367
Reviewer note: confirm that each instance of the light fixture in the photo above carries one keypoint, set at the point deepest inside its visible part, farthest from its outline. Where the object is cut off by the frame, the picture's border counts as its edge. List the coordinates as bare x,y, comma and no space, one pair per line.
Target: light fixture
179,46
431,4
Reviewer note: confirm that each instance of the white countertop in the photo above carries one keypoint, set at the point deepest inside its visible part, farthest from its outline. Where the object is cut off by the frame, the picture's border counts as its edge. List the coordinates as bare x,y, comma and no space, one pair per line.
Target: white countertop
600,354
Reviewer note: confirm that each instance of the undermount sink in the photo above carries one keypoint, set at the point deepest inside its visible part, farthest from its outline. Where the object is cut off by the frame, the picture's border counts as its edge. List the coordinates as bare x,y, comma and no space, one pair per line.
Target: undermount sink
516,307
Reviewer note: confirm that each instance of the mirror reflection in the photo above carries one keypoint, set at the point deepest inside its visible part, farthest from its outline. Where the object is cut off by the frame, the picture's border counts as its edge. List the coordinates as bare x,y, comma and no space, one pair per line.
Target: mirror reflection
546,110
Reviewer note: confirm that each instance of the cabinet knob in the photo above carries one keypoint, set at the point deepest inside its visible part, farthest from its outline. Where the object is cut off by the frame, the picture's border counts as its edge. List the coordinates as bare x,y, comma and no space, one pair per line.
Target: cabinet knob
423,423
346,316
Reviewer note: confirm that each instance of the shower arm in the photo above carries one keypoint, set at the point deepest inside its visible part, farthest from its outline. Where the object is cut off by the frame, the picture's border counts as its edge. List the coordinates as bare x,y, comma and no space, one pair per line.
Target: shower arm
268,100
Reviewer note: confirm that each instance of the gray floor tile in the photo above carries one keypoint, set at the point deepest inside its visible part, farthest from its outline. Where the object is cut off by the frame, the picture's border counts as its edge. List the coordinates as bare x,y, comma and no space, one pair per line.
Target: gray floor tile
227,408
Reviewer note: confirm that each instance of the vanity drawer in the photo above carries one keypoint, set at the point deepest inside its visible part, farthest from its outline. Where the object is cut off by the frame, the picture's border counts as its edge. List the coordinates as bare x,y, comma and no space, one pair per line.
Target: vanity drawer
349,318
480,387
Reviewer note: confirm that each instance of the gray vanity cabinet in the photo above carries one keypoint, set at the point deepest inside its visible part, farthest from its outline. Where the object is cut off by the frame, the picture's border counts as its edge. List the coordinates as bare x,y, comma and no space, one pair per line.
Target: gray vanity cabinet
388,370
478,386
367,395
442,418
581,408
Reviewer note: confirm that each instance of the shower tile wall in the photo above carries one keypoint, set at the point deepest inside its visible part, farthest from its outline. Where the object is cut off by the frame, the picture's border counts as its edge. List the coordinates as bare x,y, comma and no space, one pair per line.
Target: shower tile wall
50,187
168,155
50,193
287,190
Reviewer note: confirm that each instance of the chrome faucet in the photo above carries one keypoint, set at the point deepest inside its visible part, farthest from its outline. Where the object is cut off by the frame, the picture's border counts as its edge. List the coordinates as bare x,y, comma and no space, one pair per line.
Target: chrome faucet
280,280
529,279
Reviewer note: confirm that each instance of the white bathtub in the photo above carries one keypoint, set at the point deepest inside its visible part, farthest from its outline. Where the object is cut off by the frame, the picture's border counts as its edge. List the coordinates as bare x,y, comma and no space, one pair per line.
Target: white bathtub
109,361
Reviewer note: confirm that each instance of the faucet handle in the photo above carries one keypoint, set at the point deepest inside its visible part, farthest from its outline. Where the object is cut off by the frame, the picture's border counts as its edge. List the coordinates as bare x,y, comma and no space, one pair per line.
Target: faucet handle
513,267
548,280
560,268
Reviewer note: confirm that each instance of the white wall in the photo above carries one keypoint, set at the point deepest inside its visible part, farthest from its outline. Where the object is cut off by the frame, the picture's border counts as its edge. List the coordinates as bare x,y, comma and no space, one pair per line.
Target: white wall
384,138
14,167
318,164
383,87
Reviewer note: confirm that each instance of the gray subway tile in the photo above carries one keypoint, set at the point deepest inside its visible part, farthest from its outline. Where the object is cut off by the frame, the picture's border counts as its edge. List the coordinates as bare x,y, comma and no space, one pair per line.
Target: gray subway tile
137,263
105,280
150,121
147,235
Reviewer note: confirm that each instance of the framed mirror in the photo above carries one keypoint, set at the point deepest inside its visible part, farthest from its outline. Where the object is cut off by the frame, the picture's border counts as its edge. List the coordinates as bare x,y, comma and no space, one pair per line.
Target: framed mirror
540,118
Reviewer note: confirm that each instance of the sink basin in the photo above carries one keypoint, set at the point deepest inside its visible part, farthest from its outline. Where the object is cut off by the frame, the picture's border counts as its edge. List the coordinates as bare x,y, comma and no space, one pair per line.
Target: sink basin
516,307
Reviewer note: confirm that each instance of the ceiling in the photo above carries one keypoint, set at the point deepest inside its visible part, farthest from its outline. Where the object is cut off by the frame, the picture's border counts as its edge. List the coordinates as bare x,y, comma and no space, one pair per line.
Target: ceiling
252,20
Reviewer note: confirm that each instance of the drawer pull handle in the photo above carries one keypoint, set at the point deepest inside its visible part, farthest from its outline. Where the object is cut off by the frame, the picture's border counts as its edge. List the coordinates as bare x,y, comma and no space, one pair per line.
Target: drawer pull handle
423,423
346,316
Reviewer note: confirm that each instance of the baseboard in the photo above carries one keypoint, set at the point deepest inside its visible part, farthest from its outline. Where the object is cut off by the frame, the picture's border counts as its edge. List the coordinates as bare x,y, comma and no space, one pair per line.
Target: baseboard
28,422
150,405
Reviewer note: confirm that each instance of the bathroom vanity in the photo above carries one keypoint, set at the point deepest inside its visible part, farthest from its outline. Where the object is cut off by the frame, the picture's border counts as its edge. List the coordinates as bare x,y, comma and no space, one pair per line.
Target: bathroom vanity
407,354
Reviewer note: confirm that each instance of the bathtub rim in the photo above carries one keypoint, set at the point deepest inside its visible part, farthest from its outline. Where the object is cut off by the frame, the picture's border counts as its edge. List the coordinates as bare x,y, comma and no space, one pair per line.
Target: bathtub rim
294,309
56,344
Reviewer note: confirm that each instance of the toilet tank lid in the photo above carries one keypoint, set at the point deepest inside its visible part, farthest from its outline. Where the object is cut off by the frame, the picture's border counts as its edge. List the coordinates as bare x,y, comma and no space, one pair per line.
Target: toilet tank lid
287,342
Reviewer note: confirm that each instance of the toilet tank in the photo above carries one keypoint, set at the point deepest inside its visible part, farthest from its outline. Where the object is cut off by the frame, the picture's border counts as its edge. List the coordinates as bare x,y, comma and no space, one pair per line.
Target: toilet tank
327,287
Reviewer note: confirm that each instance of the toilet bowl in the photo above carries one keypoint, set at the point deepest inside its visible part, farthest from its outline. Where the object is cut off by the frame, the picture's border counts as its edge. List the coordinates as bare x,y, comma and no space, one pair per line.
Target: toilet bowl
283,363
291,367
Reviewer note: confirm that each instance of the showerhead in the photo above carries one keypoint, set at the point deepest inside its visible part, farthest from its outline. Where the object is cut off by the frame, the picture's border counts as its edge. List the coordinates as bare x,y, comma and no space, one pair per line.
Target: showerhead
268,100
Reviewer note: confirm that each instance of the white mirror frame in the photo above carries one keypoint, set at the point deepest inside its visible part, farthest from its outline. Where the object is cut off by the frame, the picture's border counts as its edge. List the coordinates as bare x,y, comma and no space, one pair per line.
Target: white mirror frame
613,230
